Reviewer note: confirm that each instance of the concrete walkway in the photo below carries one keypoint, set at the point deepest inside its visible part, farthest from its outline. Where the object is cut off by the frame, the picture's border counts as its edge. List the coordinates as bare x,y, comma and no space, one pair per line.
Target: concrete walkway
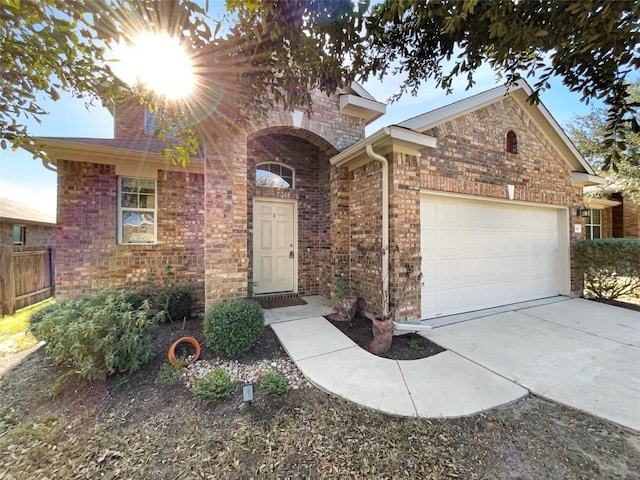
580,353
444,385
577,352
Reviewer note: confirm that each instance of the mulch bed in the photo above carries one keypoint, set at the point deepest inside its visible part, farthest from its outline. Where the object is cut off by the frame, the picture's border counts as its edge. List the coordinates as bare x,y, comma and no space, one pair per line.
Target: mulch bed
403,347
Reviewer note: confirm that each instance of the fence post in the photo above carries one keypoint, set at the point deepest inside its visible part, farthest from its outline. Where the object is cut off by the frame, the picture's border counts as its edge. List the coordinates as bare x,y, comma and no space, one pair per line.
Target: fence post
7,288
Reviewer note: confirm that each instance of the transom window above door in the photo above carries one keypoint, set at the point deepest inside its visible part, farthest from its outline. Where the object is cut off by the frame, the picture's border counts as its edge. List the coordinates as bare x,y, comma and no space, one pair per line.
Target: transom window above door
274,175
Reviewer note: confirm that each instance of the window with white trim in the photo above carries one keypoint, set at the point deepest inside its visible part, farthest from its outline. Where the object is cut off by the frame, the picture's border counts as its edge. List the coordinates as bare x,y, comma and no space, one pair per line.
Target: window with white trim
136,211
275,175
594,224
19,235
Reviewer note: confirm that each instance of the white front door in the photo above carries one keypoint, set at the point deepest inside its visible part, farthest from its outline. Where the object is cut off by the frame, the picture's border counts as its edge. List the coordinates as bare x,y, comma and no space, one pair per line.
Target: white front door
274,252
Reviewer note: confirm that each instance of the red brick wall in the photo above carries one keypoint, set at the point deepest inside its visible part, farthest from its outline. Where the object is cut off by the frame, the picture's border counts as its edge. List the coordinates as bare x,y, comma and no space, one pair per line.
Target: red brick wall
129,121
471,159
87,254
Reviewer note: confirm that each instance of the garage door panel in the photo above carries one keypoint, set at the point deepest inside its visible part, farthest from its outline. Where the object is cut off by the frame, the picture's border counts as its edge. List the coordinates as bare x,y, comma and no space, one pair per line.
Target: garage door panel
479,254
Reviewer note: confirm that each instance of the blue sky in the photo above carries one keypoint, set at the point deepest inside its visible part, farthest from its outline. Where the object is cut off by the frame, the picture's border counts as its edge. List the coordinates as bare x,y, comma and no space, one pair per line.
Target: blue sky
25,180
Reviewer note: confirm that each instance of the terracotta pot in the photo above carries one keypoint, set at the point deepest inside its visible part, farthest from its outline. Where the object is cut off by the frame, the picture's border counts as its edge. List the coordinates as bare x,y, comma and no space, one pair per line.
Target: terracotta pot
382,335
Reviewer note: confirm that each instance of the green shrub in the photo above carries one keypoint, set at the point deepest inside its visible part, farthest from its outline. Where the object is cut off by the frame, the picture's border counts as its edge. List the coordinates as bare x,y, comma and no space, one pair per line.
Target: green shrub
216,385
611,266
169,374
176,301
97,335
275,384
136,300
233,327
38,315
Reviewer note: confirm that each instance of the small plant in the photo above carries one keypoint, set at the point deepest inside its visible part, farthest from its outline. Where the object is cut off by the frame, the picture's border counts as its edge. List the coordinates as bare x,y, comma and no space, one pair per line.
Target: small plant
98,335
169,374
413,344
216,385
275,384
233,327
341,288
176,301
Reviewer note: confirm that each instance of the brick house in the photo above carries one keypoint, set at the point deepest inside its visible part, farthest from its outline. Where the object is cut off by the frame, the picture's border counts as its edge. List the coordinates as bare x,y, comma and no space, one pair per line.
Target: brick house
611,214
21,225
465,207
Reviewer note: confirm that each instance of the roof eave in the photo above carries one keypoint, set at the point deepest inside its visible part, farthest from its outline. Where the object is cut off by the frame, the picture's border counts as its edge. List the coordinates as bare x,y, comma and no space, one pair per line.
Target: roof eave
385,140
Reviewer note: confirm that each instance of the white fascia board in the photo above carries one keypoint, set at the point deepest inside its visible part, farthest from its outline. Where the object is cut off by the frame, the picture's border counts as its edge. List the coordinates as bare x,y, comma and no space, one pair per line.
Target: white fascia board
581,179
443,114
600,203
123,159
357,106
359,89
384,140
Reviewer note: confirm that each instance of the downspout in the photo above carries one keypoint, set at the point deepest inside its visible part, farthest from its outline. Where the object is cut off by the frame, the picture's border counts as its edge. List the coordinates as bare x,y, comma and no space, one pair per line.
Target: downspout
404,327
385,226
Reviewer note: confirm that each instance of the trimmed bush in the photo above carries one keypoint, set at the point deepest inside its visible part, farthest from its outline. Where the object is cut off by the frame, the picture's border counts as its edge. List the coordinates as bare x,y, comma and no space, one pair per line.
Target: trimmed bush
275,384
176,301
136,300
97,335
611,266
233,326
216,385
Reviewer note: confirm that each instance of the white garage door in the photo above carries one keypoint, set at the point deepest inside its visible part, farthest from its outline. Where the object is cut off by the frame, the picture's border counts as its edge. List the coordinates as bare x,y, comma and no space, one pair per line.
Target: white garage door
482,254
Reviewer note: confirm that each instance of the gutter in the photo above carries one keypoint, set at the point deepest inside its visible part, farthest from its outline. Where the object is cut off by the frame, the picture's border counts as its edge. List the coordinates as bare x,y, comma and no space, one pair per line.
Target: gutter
385,226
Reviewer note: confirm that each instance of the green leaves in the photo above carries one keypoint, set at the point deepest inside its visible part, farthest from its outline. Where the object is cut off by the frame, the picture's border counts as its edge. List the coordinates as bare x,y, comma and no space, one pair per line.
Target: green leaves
98,335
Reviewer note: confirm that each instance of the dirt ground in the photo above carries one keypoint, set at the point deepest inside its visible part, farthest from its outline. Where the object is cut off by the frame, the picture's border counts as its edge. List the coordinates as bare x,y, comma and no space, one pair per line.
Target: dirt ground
403,347
136,429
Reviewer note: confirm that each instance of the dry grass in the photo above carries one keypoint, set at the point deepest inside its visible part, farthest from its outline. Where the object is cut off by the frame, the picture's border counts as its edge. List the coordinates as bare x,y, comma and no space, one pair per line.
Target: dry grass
14,336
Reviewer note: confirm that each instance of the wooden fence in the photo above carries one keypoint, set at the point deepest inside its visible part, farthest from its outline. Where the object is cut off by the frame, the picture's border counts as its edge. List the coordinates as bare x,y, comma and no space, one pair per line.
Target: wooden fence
26,276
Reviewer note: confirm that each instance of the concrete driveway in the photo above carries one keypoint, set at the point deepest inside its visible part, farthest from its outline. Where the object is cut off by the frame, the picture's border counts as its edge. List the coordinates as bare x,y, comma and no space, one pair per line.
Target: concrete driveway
576,352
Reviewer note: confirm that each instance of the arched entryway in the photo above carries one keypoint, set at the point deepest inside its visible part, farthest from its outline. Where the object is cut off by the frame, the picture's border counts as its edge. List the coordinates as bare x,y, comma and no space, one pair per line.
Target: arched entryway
289,231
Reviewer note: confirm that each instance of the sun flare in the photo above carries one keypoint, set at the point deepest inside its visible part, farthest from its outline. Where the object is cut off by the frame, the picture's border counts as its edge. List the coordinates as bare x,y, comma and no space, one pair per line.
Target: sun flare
157,61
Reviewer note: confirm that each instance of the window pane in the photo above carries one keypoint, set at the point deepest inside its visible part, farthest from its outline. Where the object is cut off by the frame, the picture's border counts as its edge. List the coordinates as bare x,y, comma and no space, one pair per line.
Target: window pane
595,216
147,201
129,185
274,175
129,200
18,235
147,186
596,232
138,227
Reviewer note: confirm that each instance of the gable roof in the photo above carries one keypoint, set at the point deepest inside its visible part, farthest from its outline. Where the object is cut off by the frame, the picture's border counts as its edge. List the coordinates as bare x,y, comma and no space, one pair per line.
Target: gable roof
539,114
15,211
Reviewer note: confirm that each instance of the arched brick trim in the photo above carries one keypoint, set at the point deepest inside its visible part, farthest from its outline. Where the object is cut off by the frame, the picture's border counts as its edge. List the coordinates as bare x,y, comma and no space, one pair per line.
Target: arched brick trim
323,145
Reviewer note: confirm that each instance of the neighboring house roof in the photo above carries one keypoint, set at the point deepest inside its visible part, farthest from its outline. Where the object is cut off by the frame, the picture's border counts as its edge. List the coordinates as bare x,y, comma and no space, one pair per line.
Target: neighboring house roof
520,91
14,211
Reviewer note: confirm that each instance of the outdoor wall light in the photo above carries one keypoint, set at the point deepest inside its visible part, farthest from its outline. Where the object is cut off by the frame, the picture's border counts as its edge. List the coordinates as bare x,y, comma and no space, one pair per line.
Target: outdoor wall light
583,212
247,393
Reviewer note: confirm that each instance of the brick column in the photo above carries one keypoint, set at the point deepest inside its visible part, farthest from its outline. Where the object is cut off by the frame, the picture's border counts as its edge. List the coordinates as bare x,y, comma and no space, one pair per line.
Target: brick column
404,236
225,212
